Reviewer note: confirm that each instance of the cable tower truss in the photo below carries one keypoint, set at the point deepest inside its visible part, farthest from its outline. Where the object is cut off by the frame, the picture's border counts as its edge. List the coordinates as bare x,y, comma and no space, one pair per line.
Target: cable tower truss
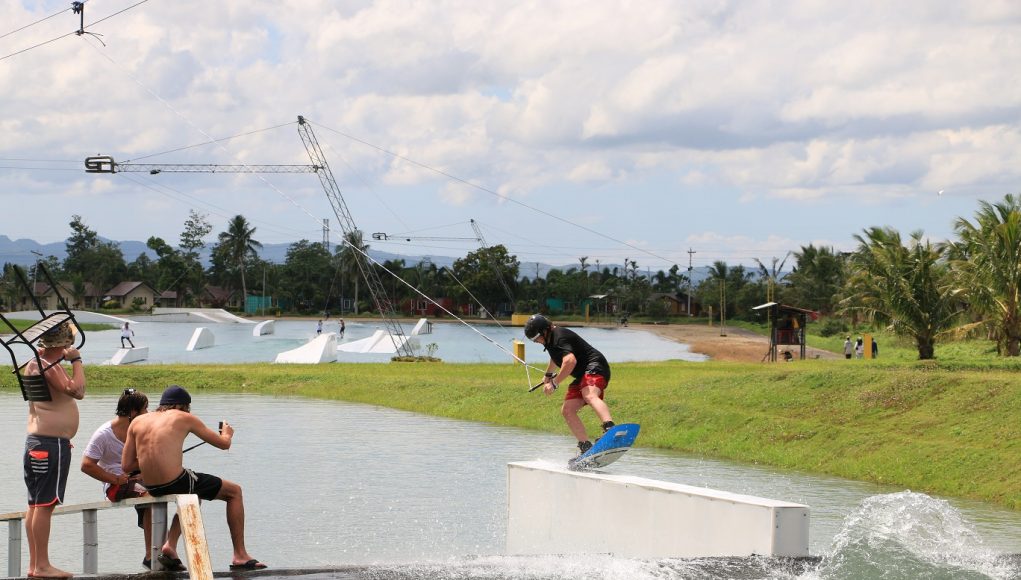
319,166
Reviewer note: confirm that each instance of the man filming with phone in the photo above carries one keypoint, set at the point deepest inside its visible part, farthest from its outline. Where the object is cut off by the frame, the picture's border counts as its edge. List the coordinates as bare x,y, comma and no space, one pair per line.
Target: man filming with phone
154,446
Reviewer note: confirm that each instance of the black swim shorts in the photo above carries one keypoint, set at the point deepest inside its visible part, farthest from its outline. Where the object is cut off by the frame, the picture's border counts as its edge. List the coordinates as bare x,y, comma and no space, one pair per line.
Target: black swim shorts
201,484
47,462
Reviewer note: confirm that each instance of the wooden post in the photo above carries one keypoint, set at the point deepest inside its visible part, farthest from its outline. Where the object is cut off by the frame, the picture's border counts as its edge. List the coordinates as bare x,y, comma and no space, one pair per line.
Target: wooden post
90,542
14,548
199,567
159,534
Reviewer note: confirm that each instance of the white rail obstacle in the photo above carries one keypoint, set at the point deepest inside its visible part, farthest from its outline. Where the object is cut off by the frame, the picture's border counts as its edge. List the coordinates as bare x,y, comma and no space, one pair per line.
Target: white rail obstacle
125,356
192,532
555,511
321,349
264,327
201,338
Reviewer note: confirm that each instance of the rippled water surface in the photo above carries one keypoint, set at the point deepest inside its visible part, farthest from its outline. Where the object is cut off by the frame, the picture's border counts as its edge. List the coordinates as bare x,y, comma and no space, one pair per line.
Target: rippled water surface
398,495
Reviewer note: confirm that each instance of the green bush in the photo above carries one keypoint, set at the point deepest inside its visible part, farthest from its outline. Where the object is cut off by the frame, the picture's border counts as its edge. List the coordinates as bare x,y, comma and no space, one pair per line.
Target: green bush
833,327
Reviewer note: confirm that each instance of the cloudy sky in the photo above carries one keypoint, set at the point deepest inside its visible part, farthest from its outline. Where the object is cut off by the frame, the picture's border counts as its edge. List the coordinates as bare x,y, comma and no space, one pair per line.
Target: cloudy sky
606,129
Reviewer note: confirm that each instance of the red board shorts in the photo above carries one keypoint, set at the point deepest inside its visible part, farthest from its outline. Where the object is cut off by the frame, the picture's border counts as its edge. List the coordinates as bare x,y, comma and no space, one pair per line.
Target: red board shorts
587,380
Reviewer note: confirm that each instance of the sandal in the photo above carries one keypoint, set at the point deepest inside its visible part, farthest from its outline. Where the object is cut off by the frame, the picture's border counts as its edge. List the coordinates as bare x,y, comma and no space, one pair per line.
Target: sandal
171,564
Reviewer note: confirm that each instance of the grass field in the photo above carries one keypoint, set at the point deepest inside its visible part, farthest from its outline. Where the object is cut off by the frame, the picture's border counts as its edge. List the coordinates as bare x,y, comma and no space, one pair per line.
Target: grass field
950,427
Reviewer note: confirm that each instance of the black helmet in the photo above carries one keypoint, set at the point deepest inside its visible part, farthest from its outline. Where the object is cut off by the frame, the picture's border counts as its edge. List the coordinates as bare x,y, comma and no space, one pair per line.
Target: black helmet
536,325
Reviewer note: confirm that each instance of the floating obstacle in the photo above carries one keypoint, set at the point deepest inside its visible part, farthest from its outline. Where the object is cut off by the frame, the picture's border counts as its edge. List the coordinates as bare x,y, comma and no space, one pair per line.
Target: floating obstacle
264,327
550,512
125,356
201,338
321,349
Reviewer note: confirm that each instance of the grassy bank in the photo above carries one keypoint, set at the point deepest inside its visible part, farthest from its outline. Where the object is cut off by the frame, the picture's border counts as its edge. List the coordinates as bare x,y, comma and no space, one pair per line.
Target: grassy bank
945,428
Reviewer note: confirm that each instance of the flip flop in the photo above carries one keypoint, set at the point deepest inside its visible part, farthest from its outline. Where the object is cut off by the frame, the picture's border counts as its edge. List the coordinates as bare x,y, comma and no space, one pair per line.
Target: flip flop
171,564
252,564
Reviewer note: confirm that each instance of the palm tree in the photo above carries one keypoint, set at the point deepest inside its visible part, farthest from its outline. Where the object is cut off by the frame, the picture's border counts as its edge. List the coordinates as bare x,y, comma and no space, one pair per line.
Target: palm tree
907,287
987,261
817,277
238,244
771,275
352,259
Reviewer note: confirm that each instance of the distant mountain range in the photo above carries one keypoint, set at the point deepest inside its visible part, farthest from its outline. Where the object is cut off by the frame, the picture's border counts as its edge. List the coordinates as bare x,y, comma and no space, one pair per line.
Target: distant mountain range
24,253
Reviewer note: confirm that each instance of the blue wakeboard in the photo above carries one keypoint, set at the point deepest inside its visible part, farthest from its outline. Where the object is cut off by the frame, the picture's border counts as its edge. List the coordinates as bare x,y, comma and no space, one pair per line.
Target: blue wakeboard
607,449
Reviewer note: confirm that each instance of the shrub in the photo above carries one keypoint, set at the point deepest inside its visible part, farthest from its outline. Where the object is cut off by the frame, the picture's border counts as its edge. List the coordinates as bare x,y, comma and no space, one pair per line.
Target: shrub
833,327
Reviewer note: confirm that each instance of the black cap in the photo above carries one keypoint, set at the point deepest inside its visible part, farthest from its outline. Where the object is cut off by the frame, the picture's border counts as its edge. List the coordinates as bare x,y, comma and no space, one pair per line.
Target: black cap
175,395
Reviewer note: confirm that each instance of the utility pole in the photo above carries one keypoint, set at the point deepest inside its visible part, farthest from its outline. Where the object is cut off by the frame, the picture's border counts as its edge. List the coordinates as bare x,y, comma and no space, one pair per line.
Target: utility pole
326,234
35,268
690,253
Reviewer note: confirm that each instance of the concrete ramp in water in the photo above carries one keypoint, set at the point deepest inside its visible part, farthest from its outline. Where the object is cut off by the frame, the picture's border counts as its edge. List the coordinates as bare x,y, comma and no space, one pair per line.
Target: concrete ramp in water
321,349
379,343
212,315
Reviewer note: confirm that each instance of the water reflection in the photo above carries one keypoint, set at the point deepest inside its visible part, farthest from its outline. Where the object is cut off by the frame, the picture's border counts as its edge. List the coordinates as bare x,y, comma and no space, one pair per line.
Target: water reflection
331,484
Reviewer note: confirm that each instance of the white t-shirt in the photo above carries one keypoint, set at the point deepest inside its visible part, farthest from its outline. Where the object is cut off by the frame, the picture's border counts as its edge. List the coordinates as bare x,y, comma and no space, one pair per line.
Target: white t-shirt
106,449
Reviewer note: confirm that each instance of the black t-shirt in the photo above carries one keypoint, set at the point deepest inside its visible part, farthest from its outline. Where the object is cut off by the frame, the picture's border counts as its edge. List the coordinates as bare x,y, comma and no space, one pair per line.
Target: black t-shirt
590,360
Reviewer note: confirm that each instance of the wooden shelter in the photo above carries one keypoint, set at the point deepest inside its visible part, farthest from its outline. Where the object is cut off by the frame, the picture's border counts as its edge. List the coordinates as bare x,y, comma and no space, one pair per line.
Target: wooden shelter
786,328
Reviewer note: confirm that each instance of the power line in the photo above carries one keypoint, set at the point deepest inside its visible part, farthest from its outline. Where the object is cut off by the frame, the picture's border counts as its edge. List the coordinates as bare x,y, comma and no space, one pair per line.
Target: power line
78,32
491,192
34,23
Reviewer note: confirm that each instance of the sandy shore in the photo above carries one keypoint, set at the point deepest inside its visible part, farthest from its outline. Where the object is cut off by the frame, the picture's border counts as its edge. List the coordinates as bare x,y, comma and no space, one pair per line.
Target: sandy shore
738,344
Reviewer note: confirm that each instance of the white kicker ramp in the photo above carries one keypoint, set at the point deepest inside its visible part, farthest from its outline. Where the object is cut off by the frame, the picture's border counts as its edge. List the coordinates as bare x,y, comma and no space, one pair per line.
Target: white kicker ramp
125,356
321,349
201,338
264,327
378,343
555,511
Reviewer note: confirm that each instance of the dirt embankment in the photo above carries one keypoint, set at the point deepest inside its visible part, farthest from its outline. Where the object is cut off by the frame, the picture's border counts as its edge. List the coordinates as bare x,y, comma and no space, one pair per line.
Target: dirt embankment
738,345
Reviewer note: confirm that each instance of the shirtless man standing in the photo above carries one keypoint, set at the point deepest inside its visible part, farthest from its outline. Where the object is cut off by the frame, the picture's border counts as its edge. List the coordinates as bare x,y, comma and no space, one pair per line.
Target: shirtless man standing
154,445
51,425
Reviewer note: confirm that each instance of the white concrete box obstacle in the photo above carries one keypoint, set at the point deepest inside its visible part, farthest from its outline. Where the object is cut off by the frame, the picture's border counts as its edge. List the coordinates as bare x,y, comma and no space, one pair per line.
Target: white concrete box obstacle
125,356
551,511
201,338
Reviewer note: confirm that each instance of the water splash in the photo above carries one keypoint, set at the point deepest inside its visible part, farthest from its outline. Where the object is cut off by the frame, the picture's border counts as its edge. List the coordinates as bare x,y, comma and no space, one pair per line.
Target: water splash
907,536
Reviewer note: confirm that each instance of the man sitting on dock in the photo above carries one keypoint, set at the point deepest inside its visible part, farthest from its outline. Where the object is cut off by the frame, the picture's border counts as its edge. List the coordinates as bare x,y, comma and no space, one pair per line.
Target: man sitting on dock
154,445
102,461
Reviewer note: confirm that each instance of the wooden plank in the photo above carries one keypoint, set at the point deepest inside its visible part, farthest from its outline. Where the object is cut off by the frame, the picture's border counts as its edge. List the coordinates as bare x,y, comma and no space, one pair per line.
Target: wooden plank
194,533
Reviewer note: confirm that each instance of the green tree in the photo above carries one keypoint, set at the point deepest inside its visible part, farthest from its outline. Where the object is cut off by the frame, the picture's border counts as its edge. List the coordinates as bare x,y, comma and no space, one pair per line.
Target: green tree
987,263
98,262
480,272
171,268
238,247
907,287
817,277
353,262
196,227
307,270
771,275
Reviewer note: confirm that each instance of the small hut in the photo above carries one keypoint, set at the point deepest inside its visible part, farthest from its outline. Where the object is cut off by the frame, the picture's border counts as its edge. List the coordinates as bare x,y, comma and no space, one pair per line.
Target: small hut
786,329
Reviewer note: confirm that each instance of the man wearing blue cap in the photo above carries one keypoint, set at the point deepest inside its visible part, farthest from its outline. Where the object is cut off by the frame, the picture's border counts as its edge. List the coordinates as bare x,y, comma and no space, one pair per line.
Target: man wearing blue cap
154,445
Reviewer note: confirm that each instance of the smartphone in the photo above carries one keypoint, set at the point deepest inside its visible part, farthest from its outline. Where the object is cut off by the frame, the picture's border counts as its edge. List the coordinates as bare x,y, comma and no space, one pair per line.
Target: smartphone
221,427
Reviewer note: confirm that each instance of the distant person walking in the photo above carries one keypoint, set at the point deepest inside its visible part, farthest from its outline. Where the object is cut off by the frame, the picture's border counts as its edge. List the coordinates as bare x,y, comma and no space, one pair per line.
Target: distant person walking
343,327
319,327
859,348
848,348
126,334
875,349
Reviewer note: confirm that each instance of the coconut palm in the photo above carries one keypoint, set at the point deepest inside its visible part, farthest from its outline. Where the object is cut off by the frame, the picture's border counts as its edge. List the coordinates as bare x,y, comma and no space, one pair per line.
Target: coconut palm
771,275
353,260
238,244
907,287
987,261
